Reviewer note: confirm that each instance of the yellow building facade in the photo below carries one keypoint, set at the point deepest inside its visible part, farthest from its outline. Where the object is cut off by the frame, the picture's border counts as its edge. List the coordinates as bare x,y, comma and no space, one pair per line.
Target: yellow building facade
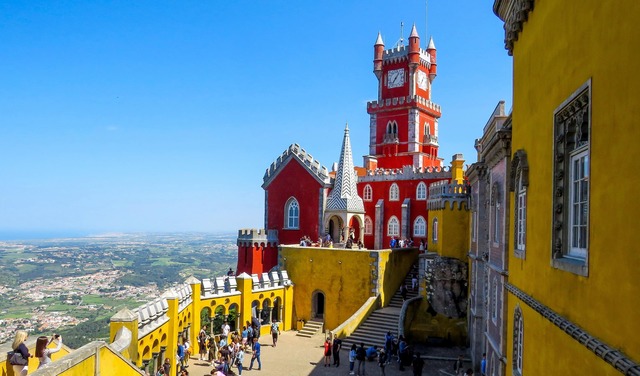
573,286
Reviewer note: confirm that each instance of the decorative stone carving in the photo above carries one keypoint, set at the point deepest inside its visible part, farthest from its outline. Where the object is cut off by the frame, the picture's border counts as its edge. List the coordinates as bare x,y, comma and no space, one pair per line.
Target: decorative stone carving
447,286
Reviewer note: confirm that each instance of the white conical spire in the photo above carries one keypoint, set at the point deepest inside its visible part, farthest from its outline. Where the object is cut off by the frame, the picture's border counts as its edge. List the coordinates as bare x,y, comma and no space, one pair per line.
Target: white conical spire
414,32
379,40
431,45
344,195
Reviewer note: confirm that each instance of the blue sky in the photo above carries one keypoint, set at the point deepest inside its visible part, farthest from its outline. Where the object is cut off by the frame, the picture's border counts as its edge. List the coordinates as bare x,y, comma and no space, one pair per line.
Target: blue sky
163,115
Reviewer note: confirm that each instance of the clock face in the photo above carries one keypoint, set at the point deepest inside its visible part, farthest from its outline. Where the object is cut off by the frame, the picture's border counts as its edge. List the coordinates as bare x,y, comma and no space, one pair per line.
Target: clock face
422,80
395,78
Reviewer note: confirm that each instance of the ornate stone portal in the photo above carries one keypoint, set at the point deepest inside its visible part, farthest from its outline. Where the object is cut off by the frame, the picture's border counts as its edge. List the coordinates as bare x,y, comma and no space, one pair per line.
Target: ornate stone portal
447,286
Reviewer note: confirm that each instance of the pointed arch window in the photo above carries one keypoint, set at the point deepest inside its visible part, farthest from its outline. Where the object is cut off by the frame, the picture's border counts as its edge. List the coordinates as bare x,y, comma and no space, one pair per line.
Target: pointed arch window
434,230
392,127
518,341
519,182
421,191
367,193
394,192
292,217
393,227
420,227
368,226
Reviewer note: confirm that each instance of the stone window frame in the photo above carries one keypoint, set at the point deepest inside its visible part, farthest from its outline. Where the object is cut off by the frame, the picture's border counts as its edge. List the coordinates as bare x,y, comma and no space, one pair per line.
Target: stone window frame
519,184
394,192
518,341
392,127
368,225
289,206
494,304
572,138
367,193
421,191
393,226
495,210
420,226
434,230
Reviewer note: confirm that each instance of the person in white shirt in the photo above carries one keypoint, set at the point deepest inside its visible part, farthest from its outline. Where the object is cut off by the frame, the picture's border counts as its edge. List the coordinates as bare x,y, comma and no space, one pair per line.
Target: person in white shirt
43,353
226,329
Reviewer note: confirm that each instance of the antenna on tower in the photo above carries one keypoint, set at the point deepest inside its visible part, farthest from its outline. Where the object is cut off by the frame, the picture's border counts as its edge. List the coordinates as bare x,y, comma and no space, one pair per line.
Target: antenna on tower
426,20
401,41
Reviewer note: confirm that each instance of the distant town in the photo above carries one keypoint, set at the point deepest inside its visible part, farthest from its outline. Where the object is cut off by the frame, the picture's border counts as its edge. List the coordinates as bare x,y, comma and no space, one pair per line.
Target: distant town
73,286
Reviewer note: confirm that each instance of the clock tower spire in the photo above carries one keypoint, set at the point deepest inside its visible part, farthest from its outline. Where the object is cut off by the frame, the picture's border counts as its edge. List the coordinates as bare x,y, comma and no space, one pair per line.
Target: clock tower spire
403,122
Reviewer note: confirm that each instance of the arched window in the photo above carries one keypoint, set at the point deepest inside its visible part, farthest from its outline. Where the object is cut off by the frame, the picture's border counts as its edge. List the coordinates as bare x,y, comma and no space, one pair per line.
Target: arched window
367,193
420,227
292,214
393,228
497,219
427,131
392,127
519,183
394,192
368,226
421,191
434,230
518,340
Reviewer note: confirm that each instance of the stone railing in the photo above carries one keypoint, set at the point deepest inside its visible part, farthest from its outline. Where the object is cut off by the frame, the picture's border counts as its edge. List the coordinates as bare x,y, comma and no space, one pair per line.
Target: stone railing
442,192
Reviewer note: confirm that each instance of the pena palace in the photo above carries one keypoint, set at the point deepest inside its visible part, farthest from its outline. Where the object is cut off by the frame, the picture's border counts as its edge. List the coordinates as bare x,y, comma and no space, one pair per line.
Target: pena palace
371,205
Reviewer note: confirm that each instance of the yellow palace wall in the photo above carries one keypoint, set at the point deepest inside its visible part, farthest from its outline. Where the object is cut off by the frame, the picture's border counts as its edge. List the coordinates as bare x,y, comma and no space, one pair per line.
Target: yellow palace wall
561,47
453,231
344,276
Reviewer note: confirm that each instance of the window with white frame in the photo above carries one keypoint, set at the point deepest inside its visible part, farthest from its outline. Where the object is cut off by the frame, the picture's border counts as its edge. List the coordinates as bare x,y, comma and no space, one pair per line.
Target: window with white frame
393,227
572,128
292,210
518,340
518,184
368,226
394,192
434,230
420,227
421,191
367,193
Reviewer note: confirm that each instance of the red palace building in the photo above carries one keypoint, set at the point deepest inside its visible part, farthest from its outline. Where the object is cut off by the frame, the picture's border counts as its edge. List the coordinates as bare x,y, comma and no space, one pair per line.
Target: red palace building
385,199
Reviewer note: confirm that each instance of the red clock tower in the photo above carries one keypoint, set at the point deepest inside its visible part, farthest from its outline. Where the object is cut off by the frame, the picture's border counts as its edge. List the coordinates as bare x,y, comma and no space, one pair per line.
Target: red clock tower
403,121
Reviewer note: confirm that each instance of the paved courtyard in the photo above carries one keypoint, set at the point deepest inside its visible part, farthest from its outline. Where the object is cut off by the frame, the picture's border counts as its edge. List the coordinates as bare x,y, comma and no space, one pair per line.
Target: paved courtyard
303,356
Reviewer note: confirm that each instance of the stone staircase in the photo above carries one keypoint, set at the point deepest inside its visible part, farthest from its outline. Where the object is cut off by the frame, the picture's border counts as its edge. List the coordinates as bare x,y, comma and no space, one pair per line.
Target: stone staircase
311,328
373,329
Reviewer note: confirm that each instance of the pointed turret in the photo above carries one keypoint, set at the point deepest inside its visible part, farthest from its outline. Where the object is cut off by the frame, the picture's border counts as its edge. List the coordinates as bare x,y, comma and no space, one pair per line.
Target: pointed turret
344,196
414,46
431,50
378,50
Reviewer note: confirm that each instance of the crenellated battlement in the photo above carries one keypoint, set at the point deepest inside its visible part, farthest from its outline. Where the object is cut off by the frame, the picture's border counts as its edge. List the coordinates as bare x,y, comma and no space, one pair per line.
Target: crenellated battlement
401,53
313,165
406,173
443,192
404,101
261,236
151,316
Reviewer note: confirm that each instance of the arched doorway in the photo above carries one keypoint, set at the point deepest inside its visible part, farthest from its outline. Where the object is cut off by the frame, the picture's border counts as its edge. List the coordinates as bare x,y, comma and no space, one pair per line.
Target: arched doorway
335,229
355,226
317,305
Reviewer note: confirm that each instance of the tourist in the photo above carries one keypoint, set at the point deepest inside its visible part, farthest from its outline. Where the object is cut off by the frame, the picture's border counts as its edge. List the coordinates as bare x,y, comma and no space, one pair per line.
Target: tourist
230,273
422,245
483,365
43,353
352,358
469,372
20,365
336,347
458,366
414,282
225,330
418,365
167,366
403,292
382,360
361,355
372,352
202,343
240,359
327,352
275,330
388,345
187,352
256,354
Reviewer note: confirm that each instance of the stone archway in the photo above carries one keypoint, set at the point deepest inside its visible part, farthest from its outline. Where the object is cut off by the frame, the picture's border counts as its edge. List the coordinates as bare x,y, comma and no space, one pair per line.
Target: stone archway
356,225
